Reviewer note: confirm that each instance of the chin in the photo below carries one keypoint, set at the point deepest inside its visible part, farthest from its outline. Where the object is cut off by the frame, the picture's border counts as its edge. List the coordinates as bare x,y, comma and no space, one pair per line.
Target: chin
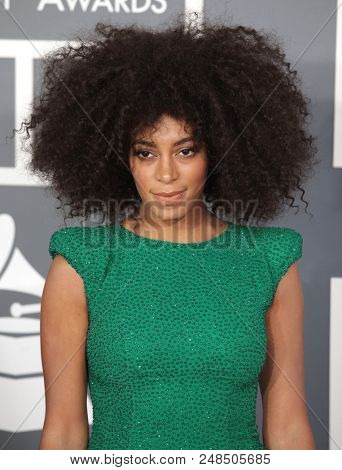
169,212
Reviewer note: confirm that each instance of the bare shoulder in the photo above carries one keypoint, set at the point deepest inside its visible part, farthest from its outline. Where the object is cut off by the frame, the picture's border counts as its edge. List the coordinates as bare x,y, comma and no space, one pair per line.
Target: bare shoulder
63,280
64,305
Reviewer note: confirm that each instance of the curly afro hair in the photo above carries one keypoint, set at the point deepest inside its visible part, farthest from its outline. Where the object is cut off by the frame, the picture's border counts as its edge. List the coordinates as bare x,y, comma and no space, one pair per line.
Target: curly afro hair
231,84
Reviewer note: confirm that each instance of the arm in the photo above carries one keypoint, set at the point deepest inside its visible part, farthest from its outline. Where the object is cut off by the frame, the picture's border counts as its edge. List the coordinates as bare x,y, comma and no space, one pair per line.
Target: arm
285,421
64,323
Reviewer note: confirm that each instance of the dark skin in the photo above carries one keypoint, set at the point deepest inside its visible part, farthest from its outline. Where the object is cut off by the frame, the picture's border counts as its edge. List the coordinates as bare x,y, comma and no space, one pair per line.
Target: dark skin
285,421
64,323
166,166
168,161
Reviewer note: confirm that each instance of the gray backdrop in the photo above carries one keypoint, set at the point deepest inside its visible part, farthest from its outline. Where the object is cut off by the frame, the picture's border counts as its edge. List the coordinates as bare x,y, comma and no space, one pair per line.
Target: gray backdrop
307,29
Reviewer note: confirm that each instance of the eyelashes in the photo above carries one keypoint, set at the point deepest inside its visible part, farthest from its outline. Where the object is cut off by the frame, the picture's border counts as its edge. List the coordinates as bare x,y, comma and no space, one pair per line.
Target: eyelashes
137,153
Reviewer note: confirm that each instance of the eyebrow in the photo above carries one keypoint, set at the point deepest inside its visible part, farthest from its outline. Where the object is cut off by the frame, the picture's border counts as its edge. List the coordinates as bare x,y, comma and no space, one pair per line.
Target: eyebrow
152,144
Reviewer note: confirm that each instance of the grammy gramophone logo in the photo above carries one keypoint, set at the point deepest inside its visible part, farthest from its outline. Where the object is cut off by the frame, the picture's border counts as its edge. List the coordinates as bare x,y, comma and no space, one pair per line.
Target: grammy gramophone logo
22,401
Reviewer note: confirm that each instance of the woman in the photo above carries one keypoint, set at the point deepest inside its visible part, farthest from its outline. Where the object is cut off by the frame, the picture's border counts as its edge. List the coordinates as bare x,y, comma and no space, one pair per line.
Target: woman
170,313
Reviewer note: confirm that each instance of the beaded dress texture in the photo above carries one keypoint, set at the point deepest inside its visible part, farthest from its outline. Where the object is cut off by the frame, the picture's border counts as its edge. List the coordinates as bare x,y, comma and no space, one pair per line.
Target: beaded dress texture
176,333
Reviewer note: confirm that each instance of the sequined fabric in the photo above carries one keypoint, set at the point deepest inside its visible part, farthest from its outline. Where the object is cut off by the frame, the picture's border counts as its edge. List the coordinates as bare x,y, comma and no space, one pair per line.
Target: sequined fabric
177,335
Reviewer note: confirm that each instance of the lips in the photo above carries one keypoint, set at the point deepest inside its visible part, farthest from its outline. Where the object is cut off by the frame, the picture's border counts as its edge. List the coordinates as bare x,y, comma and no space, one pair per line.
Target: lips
170,197
168,194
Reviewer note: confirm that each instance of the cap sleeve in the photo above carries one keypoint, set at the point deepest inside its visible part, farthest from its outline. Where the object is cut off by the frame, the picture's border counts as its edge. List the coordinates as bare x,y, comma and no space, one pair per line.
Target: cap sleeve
69,243
284,248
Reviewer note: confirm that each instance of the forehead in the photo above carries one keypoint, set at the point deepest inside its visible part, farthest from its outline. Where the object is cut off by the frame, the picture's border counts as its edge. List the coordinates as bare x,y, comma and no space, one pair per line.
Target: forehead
165,128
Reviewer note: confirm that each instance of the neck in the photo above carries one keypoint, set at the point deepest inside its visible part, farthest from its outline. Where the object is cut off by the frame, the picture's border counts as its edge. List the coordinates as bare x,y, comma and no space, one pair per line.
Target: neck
195,226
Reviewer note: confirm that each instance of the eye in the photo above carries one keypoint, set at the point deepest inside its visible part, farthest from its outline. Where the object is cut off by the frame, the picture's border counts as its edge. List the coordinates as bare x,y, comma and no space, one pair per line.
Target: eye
137,153
143,154
188,150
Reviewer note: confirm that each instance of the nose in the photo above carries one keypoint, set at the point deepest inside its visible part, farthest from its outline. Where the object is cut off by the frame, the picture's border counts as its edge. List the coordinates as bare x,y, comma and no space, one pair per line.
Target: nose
166,169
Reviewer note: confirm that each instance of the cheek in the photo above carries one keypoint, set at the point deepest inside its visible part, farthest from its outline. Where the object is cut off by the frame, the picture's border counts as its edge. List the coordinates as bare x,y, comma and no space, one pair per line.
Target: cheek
142,174
200,172
197,172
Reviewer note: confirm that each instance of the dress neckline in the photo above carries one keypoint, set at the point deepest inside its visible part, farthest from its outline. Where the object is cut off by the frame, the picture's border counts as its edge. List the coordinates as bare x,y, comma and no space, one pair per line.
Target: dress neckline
132,236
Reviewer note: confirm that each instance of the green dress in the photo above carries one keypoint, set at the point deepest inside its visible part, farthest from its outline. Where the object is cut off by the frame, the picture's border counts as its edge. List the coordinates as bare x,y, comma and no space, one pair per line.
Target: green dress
177,335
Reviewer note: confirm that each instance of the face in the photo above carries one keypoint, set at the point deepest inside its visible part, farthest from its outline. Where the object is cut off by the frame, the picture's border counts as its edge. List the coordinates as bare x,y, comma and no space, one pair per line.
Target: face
166,160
